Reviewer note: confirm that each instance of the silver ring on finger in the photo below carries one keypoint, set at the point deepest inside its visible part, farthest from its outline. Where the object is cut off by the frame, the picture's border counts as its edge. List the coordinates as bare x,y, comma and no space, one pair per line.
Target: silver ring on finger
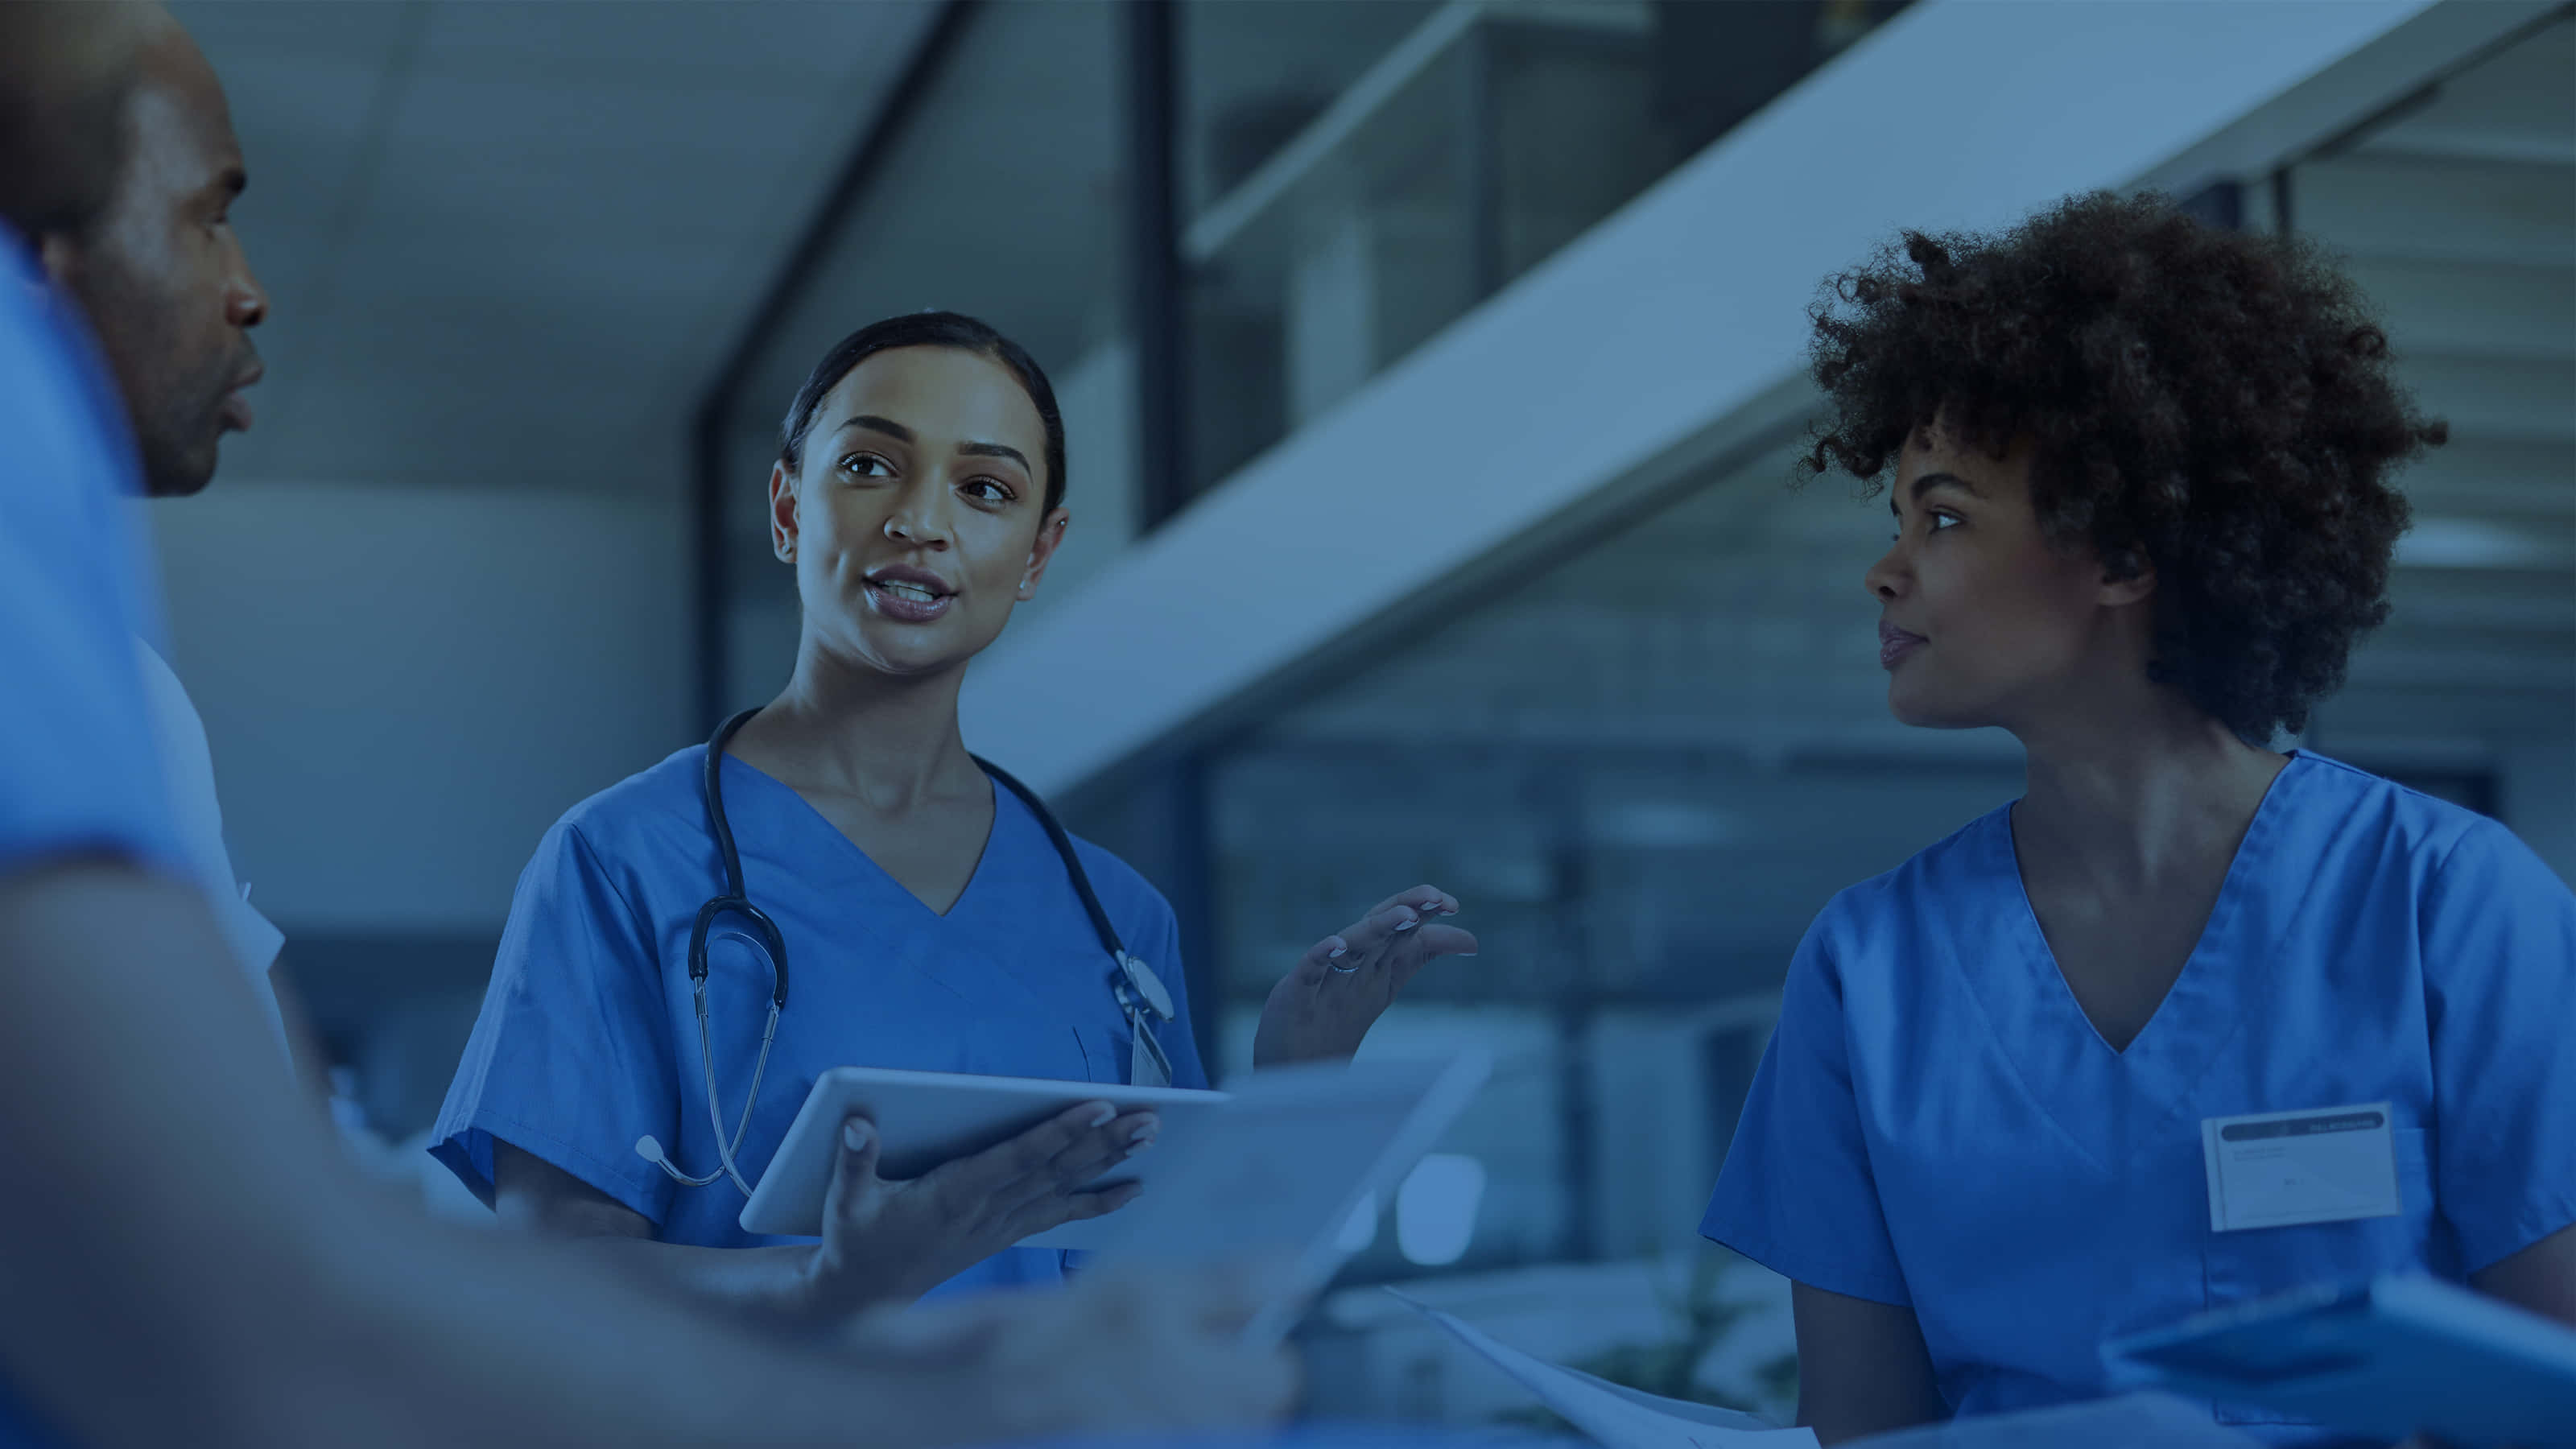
1340,970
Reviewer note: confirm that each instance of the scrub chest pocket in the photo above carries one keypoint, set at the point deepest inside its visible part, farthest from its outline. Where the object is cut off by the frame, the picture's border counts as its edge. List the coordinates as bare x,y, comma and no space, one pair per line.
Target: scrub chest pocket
2258,1262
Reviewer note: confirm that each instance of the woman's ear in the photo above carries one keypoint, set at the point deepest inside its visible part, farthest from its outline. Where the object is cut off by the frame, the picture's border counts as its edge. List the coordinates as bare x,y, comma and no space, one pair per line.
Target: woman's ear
1042,552
782,512
2127,578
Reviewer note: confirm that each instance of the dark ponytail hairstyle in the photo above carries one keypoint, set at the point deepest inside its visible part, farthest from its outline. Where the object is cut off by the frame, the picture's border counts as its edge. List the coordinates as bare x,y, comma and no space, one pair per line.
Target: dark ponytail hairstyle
927,329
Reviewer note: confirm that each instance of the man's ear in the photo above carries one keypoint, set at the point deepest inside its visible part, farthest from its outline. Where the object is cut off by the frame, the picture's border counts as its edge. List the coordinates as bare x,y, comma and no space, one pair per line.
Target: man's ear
54,249
784,523
1042,553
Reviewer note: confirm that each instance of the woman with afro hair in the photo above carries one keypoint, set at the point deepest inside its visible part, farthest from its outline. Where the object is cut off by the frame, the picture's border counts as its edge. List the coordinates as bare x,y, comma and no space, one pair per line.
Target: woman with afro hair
2142,511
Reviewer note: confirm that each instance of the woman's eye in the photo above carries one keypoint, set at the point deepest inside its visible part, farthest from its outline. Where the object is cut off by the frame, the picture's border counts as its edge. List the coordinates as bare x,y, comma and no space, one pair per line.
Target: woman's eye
989,491
865,465
1940,521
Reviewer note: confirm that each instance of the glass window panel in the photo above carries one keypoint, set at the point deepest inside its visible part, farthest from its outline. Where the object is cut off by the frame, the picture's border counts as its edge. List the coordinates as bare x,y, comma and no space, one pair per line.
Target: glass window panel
1383,179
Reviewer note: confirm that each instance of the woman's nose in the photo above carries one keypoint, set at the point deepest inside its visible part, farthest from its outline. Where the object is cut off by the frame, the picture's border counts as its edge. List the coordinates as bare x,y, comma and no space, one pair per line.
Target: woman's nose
917,524
1885,577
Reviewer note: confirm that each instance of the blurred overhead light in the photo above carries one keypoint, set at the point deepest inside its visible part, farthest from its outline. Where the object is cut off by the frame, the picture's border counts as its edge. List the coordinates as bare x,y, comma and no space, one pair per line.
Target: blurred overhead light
2472,543
1665,825
1435,1210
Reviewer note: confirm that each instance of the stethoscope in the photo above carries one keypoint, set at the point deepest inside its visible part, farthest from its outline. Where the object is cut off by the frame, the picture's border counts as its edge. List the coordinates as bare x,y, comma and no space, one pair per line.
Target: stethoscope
1139,992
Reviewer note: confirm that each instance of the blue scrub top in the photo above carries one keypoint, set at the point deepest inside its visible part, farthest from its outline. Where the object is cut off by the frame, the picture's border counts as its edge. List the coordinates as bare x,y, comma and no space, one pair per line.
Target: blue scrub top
78,771
588,1038
1936,1124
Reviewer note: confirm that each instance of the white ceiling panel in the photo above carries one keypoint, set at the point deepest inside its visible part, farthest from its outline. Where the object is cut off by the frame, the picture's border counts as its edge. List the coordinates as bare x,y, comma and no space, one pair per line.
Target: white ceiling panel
473,190
301,30
561,275
693,44
630,129
493,232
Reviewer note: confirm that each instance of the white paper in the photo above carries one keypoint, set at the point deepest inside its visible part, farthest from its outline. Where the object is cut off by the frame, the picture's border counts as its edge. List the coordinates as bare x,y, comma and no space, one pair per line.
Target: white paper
2133,1421
1614,1415
1300,1148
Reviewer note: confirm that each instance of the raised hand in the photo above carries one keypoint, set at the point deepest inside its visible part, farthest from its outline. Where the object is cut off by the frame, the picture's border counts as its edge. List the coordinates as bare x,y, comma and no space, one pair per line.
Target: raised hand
1339,988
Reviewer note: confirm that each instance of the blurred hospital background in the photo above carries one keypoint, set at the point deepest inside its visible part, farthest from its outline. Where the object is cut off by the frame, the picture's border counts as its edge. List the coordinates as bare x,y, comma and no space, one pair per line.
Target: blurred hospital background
1432,373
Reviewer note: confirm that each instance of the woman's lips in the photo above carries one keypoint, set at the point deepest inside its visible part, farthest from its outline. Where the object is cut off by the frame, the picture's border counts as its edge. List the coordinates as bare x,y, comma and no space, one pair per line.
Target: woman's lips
1894,644
904,605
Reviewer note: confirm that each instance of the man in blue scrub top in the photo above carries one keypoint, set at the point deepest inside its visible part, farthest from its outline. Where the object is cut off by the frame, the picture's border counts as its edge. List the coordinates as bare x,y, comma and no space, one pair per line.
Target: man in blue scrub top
161,277
2141,515
185,1257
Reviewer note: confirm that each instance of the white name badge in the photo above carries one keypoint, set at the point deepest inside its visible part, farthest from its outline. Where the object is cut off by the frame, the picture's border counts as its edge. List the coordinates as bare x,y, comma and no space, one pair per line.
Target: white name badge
2281,1169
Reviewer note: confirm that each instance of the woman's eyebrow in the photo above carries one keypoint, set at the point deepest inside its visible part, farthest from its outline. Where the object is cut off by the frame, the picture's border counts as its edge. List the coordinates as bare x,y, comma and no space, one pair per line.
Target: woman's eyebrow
875,424
1929,481
995,450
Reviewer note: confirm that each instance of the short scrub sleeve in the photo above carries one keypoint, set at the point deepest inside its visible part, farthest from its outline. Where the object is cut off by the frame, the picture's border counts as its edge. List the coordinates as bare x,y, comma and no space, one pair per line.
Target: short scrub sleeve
571,1059
2499,954
1796,1194
78,771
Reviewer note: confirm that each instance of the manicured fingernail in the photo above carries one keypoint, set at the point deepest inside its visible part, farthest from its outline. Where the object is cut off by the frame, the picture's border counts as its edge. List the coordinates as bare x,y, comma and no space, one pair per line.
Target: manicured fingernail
854,1136
1100,1115
1408,925
1337,953
1144,1136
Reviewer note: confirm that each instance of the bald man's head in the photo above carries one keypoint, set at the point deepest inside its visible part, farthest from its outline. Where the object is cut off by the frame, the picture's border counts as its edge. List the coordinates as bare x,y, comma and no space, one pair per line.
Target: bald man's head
65,66
160,272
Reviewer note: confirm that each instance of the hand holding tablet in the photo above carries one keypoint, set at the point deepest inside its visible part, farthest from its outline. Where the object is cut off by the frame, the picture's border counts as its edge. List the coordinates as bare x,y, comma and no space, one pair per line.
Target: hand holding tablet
929,1122
1271,1171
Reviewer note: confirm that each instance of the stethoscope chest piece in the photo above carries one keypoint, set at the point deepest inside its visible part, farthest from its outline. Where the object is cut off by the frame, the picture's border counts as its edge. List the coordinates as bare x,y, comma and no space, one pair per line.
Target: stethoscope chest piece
1146,1001
1141,978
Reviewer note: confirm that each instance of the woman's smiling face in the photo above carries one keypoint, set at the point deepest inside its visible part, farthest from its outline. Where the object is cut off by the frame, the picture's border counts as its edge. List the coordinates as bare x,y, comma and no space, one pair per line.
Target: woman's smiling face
1982,617
916,517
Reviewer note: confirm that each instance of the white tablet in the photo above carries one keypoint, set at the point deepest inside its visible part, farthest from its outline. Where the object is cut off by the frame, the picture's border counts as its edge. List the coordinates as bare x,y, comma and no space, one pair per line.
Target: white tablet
2398,1355
927,1118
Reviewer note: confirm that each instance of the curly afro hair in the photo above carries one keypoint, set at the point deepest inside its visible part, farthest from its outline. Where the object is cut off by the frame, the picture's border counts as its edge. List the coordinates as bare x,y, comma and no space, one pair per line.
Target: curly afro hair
2215,404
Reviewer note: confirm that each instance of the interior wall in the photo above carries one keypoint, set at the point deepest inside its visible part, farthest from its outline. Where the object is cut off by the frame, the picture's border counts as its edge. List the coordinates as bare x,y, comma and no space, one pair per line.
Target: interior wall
404,686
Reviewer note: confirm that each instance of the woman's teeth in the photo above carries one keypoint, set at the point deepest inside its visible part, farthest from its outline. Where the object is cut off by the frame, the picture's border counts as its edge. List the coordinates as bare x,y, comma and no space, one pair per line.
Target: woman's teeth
914,592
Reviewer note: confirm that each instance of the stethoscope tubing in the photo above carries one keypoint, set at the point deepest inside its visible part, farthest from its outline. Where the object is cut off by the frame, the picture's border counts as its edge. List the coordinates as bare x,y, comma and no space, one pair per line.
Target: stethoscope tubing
1126,983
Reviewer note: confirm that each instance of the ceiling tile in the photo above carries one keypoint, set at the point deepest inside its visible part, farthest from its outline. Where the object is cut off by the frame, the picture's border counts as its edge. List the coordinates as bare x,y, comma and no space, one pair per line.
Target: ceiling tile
705,44
363,34
487,229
